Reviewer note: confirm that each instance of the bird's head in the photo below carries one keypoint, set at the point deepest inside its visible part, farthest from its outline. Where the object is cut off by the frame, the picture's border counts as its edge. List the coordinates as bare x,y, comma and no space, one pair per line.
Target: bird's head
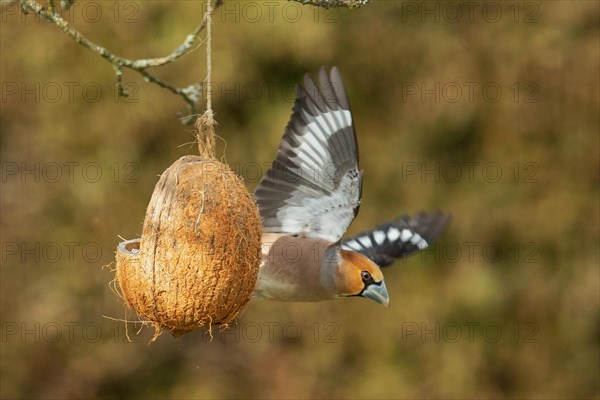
359,276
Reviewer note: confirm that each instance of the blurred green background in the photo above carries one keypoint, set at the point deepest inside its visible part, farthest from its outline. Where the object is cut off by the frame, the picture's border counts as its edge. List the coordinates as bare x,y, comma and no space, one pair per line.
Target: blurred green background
488,110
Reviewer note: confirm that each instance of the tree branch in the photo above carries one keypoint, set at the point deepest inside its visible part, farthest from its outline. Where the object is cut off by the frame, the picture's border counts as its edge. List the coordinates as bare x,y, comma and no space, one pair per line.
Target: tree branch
191,94
335,3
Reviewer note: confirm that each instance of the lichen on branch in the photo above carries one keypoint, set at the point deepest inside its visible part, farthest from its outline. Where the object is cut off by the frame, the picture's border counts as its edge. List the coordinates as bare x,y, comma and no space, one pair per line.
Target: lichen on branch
335,3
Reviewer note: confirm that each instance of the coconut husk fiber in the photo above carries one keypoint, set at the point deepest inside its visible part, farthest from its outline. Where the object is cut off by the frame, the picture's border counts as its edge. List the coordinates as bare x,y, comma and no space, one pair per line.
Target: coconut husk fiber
199,253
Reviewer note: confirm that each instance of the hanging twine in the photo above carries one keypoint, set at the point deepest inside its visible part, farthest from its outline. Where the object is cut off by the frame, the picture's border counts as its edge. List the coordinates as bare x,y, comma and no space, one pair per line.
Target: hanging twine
205,124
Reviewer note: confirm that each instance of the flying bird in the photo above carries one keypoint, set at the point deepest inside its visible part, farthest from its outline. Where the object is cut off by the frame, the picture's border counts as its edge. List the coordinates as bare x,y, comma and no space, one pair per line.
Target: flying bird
310,196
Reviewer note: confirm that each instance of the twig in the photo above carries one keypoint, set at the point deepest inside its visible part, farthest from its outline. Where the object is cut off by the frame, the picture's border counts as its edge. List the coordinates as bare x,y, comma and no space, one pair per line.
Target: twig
191,94
335,3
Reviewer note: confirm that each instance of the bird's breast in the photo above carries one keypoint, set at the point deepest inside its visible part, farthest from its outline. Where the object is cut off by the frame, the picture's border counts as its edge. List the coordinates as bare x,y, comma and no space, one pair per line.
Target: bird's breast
291,269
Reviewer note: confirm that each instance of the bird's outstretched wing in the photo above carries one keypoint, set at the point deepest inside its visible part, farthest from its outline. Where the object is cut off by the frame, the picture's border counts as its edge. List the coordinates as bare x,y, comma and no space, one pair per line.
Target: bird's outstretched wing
398,238
313,187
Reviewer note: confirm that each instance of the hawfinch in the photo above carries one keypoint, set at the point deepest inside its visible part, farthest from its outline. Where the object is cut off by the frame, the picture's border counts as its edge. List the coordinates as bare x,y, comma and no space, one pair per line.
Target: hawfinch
309,197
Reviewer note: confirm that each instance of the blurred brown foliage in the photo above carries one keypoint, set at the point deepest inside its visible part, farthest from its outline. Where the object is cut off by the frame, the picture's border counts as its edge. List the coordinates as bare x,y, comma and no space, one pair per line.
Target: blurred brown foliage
489,111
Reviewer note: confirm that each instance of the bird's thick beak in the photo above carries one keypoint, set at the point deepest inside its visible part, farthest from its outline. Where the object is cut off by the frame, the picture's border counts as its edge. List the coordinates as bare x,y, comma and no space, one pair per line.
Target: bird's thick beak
377,293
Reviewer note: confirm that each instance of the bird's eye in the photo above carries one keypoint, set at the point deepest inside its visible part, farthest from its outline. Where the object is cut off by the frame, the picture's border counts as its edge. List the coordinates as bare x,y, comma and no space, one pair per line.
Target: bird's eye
366,276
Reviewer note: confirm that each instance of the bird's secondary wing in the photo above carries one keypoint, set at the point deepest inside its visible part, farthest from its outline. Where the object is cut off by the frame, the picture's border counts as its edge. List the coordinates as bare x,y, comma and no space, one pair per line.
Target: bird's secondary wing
398,238
313,187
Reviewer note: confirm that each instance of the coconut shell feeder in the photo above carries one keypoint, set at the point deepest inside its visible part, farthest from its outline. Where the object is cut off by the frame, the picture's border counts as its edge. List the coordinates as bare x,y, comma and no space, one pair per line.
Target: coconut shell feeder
197,261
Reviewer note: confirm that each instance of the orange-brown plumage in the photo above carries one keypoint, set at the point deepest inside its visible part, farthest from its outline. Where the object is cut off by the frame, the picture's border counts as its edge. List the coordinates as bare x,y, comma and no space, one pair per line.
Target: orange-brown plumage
350,269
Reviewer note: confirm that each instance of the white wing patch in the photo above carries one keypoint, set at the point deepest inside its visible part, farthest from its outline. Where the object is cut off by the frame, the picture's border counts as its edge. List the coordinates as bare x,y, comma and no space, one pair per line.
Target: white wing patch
418,241
393,234
321,216
352,245
402,237
416,238
365,241
379,237
406,235
329,118
311,152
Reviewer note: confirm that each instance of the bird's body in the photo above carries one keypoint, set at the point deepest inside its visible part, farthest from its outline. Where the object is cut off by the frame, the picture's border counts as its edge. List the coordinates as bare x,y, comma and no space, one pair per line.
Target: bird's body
284,274
309,197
